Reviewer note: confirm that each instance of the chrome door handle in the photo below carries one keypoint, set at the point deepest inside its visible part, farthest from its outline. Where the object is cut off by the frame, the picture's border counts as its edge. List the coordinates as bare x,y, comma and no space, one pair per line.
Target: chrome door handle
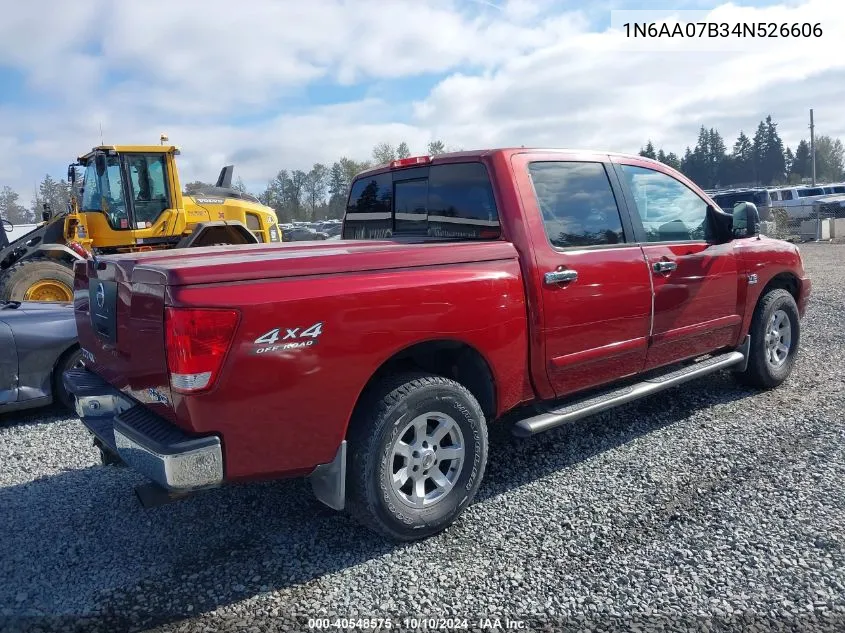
664,267
560,276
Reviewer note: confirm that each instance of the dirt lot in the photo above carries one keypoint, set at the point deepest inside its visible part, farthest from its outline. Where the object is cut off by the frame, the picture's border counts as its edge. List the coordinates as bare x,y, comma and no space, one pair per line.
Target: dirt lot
705,507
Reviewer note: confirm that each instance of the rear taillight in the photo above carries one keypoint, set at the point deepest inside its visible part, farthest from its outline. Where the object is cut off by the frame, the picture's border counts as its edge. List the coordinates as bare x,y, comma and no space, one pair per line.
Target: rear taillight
197,342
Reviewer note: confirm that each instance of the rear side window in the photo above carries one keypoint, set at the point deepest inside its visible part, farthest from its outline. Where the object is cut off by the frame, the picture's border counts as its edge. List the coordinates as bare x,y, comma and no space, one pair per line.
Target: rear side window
452,200
577,203
786,194
461,203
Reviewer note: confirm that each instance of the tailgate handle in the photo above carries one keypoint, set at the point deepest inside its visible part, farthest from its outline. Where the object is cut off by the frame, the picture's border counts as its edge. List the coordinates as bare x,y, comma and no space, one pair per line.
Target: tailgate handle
561,276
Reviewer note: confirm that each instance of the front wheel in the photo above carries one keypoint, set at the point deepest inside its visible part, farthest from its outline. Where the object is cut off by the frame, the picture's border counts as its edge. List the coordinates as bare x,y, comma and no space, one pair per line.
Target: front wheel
37,279
418,448
775,333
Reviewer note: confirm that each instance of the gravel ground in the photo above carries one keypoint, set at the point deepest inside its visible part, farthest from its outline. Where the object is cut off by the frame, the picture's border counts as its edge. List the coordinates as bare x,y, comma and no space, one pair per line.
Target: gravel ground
710,507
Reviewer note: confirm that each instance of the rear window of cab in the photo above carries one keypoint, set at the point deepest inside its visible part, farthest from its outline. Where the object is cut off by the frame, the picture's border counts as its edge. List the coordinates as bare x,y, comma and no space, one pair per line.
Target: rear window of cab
452,200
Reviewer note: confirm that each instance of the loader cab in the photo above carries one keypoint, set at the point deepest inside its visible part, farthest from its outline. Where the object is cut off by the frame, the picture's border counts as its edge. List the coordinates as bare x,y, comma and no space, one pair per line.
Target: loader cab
131,188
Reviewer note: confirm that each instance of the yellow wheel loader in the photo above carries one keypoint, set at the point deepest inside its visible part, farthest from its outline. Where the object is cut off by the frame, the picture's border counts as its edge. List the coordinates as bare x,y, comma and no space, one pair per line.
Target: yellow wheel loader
130,200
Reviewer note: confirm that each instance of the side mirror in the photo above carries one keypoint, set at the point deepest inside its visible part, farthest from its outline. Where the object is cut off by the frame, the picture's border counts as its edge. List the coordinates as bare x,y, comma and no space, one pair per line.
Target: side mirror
71,174
47,213
746,220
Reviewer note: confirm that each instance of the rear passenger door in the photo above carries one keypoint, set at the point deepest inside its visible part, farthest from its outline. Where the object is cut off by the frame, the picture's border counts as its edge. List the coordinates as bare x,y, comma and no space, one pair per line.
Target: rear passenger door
595,287
695,278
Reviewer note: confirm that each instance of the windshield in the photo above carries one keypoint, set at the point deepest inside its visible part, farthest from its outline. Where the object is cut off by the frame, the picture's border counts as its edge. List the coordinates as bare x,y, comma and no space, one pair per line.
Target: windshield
103,191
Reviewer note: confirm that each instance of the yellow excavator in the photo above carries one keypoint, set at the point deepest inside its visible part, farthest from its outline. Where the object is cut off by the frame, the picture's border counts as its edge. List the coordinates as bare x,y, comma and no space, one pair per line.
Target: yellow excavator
130,199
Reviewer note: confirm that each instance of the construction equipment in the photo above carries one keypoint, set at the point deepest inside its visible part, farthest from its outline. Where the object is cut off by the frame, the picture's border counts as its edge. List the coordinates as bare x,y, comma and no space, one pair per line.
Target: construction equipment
130,200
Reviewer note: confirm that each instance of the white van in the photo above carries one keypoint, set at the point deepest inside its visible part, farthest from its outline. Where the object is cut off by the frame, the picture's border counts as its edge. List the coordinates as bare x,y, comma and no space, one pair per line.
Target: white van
798,201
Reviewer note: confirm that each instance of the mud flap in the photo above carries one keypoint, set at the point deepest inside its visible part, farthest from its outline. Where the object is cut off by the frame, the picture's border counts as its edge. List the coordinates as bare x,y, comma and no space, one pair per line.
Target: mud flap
328,481
745,350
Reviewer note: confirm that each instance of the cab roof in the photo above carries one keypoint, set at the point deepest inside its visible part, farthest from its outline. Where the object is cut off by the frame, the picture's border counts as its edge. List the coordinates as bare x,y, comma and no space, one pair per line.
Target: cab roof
480,154
120,149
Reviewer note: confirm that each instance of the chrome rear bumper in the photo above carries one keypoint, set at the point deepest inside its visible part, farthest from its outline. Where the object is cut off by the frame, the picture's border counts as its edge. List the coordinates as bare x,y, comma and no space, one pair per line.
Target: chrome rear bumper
146,442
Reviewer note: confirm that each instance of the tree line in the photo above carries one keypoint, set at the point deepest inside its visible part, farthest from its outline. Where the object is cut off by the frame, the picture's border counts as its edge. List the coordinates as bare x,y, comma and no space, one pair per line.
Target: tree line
56,193
761,160
320,192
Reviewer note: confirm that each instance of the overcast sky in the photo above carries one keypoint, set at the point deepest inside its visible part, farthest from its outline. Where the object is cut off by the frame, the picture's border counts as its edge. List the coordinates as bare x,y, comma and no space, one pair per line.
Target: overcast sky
271,84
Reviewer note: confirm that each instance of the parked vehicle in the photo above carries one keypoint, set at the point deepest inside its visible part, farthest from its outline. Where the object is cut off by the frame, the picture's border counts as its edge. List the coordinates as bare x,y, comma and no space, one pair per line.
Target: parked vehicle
300,234
727,199
550,284
37,345
130,199
798,201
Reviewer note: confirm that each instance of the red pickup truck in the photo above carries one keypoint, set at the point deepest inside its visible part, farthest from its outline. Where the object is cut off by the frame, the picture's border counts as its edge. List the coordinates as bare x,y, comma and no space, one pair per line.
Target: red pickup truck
552,284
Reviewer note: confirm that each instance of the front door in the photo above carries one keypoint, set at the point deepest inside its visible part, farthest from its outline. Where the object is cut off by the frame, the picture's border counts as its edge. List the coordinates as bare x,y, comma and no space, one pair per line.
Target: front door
595,287
696,309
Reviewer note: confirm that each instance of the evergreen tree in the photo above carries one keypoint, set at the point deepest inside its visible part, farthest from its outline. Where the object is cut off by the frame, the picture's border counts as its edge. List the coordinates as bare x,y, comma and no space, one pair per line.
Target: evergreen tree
758,152
648,151
801,166
11,209
773,162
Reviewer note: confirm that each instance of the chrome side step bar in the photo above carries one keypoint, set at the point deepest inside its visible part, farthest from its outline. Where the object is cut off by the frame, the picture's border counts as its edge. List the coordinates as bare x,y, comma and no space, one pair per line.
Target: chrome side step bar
613,398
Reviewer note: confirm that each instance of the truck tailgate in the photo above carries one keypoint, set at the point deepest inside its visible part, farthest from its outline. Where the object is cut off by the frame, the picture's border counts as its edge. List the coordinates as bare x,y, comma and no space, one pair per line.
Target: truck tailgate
121,330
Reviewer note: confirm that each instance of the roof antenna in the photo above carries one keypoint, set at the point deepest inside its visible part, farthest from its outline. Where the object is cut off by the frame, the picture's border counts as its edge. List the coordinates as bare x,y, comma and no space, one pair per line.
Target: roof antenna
102,142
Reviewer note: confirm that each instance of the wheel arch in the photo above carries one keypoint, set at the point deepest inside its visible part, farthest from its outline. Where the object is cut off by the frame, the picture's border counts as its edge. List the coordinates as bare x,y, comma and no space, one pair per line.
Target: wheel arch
72,347
450,358
785,280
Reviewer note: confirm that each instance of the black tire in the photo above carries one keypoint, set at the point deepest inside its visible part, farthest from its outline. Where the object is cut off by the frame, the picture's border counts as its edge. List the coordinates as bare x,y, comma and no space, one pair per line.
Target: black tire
70,360
379,422
760,372
21,276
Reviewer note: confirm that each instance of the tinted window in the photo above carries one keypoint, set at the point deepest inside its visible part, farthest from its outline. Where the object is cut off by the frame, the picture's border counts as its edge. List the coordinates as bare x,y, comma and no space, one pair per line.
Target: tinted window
461,202
775,196
369,210
810,191
839,190
453,200
669,210
410,201
577,203
786,195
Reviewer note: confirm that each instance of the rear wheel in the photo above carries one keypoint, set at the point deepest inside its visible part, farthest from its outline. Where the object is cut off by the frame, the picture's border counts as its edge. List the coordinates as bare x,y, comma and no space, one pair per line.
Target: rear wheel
775,333
37,280
418,448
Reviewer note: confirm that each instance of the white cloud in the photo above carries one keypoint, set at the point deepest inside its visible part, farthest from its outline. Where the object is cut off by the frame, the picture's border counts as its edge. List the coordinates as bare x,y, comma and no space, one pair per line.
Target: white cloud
220,77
